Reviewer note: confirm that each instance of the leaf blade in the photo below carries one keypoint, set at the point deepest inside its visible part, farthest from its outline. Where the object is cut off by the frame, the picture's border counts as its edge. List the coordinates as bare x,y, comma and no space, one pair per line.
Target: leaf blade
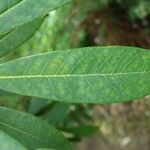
18,36
88,75
5,5
8,142
25,12
29,130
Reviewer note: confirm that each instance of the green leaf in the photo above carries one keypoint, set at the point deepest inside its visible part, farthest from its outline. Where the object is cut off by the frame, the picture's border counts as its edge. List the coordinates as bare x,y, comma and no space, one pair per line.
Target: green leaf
18,36
37,104
55,111
44,149
26,11
9,143
31,131
87,75
6,4
82,131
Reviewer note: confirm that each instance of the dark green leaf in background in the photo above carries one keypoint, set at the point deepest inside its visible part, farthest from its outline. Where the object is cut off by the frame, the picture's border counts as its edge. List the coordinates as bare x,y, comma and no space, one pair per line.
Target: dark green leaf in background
55,110
37,104
44,149
82,131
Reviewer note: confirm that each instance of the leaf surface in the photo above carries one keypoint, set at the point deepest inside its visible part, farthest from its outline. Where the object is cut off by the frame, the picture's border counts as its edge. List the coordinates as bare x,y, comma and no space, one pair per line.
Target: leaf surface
18,36
87,75
31,131
25,11
8,142
6,4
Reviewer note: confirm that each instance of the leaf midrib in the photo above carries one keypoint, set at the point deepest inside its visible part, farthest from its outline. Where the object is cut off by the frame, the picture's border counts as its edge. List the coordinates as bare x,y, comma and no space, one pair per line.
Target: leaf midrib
72,75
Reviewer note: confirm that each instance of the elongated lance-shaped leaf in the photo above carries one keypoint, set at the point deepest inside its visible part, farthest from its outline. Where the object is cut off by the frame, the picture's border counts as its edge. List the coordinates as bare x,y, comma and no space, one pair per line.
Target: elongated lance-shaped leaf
6,4
18,36
31,131
8,142
26,11
91,75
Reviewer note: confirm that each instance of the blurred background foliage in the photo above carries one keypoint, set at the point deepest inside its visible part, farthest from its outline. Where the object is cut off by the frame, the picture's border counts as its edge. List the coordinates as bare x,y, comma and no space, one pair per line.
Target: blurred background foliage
91,23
